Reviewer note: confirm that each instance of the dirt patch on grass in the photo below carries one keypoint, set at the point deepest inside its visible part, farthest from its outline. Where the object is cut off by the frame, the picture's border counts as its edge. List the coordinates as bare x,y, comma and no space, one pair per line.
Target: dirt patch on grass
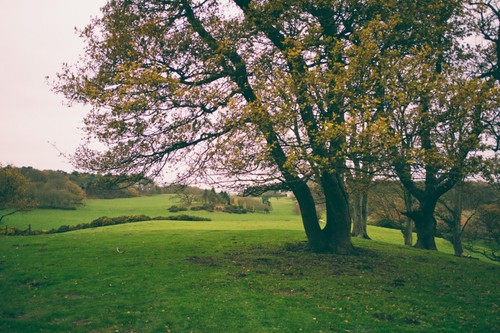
83,323
203,261
296,261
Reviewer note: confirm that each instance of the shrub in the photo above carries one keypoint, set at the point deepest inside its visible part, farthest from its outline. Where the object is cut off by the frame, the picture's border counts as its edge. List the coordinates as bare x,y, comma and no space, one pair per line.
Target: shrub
63,228
184,217
175,209
235,209
252,204
207,207
101,222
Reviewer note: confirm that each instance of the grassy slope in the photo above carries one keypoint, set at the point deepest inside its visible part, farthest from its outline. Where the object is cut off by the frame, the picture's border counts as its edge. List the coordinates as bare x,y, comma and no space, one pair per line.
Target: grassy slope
236,277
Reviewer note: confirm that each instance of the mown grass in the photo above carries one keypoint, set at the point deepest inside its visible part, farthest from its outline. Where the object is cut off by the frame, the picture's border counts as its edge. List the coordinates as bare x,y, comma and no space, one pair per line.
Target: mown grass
246,276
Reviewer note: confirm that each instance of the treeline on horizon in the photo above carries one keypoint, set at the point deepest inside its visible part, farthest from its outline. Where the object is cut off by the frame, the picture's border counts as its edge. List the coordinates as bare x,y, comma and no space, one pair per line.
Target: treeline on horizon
56,189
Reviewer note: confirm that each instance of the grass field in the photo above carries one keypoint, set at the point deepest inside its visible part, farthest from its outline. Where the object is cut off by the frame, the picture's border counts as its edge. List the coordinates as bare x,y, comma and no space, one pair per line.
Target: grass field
238,273
46,219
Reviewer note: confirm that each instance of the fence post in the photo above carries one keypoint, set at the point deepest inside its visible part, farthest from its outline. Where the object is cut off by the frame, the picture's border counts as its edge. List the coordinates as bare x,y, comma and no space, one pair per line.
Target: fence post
29,229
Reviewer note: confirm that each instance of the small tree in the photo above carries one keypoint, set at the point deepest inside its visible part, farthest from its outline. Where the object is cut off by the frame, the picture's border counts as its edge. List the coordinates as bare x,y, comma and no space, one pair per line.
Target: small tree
187,195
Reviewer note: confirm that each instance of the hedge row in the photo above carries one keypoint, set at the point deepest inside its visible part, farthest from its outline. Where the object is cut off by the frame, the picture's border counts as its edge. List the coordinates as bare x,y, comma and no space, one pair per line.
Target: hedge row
102,222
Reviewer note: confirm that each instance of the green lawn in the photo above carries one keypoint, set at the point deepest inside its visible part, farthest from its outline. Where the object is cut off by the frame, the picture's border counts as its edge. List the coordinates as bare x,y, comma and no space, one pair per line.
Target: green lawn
238,273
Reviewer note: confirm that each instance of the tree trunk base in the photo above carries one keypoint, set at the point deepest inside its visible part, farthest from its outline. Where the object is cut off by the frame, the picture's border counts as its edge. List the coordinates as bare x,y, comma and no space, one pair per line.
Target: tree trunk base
430,247
361,235
346,248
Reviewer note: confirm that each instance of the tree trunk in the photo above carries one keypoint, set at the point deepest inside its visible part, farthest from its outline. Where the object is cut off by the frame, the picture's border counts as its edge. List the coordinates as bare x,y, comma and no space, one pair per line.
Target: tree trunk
425,234
457,240
316,239
336,236
425,225
408,232
338,217
408,228
359,202
456,227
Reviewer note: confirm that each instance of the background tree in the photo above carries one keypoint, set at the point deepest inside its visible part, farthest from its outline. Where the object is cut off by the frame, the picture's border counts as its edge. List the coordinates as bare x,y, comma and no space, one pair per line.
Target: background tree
187,195
445,131
388,202
483,234
439,112
15,192
53,189
451,214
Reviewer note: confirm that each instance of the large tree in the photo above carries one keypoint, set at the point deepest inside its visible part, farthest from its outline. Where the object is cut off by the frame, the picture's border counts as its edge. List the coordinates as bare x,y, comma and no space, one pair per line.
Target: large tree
440,129
250,91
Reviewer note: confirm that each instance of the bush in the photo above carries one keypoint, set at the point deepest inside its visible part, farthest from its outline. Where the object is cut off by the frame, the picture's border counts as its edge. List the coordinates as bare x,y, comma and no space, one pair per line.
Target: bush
235,210
101,222
63,228
252,204
175,209
207,207
184,217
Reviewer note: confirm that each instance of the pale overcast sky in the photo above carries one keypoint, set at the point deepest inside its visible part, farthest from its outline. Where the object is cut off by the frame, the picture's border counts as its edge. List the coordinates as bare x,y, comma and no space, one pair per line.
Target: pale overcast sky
36,37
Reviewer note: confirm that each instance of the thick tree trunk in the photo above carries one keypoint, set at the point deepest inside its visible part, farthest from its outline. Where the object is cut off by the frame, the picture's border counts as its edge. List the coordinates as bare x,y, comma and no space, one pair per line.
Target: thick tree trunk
315,236
359,201
425,234
336,236
425,225
338,227
408,232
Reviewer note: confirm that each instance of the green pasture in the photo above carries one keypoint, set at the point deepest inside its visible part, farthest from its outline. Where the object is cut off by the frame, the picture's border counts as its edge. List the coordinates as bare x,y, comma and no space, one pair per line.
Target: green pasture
238,273
46,219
